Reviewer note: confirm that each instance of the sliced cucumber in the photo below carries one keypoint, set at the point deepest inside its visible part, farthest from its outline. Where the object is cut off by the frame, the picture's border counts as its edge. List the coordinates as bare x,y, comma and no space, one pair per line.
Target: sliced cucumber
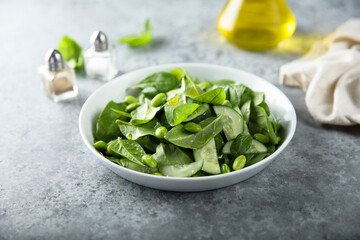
186,170
256,147
208,154
233,123
226,148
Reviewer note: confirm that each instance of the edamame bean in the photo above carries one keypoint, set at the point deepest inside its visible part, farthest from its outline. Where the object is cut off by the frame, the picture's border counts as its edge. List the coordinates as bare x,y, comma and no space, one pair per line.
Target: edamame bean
261,138
132,106
158,174
225,168
160,132
159,99
278,139
226,103
109,151
131,99
100,146
239,163
149,160
192,127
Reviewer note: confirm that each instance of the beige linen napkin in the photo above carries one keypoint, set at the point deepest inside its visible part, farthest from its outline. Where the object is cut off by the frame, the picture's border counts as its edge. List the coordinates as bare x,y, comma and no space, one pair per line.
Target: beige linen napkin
330,75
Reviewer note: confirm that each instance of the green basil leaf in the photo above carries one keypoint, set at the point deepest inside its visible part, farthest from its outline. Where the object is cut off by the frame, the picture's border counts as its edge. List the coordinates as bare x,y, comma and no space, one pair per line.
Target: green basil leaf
140,39
71,52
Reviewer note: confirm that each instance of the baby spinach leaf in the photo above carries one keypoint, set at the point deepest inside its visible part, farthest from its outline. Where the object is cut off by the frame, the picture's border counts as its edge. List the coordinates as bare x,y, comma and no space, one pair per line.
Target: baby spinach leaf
161,81
129,149
133,132
149,92
219,143
214,96
178,73
263,121
255,159
223,83
140,39
246,110
172,161
189,86
136,167
106,128
181,112
180,137
240,145
144,113
196,116
71,52
149,142
258,98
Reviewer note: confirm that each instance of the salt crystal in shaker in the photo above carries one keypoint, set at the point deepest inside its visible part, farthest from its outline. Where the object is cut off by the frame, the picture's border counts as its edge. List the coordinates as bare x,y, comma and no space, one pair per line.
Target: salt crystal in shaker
100,58
58,80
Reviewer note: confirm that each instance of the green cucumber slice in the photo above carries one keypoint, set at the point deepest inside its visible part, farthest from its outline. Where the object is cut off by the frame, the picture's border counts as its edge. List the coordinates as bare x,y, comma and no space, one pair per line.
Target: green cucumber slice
256,147
233,123
226,148
186,170
208,154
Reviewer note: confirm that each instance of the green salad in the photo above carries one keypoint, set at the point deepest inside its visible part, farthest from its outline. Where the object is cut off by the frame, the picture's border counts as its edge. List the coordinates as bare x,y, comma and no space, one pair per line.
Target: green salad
171,124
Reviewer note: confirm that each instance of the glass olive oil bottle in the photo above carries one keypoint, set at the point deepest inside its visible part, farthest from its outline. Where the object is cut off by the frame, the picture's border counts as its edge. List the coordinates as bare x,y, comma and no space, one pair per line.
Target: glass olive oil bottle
256,24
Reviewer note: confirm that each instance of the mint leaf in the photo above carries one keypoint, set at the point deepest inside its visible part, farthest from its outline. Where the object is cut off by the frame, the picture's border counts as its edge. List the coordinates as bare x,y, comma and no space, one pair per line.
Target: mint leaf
140,39
71,52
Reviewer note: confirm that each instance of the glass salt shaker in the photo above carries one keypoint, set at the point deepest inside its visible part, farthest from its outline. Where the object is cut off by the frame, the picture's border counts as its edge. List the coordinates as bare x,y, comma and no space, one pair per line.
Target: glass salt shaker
58,80
100,58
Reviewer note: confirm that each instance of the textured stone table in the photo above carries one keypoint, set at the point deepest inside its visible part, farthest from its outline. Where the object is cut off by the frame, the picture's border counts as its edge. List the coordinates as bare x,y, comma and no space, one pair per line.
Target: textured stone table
52,187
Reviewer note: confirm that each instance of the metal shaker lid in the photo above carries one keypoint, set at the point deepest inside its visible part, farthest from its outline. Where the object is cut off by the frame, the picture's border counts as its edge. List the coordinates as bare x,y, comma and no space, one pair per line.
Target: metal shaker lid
99,41
54,60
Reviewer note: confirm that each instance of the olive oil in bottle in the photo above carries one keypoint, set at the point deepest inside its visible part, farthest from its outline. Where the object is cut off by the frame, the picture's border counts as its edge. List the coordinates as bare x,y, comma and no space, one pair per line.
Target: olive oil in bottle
256,24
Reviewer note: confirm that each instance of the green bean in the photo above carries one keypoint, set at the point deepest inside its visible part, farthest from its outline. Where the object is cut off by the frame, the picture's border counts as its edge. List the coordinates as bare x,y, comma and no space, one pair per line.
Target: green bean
149,160
226,103
158,174
261,138
239,163
130,99
192,127
100,146
225,168
132,106
159,99
160,132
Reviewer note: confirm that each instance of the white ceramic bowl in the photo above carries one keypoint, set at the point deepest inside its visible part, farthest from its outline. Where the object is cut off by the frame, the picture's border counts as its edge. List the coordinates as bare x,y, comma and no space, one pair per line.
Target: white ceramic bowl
281,109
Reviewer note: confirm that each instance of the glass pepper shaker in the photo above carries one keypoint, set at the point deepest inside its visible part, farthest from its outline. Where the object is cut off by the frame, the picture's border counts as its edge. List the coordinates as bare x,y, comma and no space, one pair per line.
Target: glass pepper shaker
100,58
58,80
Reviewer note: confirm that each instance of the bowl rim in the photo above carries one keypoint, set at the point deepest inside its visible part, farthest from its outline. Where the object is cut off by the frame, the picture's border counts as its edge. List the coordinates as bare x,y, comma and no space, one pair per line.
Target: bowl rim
155,68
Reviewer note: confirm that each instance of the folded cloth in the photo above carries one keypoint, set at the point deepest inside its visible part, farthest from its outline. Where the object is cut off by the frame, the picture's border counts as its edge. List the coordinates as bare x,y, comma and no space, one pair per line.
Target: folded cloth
330,75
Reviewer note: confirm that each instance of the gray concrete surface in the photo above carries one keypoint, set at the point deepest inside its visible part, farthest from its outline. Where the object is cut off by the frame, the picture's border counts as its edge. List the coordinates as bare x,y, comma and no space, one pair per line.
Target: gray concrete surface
52,187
